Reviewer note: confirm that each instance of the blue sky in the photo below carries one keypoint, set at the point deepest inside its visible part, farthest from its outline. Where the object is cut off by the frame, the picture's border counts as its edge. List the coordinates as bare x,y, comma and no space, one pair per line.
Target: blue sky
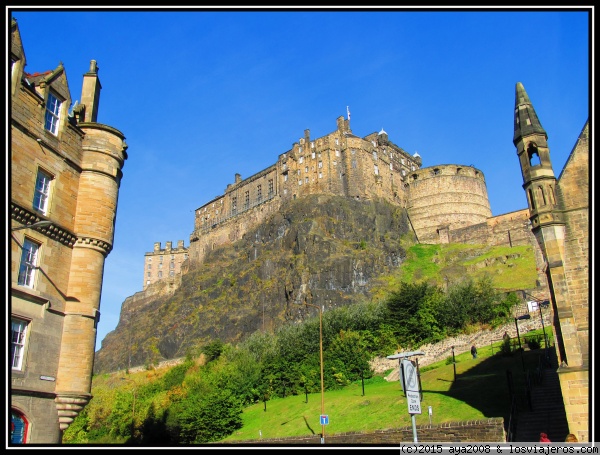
204,94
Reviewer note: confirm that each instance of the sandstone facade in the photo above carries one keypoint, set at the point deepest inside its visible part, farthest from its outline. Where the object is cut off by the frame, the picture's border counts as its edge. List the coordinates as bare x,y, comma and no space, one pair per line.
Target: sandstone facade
65,173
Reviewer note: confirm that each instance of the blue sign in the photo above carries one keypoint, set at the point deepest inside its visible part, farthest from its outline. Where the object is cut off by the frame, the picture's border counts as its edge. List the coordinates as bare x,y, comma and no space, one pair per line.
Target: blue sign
325,420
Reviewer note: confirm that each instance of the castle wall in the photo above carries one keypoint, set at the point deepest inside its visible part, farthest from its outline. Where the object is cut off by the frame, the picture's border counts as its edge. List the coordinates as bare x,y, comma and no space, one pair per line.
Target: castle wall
338,163
446,197
164,263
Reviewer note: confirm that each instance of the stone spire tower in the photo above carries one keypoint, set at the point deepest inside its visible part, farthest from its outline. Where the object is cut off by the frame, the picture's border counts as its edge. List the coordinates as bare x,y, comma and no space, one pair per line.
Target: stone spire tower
539,181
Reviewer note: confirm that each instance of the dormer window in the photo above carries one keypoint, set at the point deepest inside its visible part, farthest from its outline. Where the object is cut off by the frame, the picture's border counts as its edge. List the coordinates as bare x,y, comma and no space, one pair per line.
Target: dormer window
52,114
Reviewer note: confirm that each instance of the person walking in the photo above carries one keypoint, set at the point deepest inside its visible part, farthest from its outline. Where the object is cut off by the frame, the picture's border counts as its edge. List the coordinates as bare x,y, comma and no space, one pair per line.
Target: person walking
474,351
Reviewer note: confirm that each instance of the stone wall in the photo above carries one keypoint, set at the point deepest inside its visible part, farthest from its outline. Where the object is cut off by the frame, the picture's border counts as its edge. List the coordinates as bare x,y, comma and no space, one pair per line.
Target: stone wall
485,430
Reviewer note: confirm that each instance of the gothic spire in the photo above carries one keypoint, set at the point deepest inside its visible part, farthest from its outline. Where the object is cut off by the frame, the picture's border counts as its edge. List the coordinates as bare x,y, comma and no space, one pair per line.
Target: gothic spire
526,120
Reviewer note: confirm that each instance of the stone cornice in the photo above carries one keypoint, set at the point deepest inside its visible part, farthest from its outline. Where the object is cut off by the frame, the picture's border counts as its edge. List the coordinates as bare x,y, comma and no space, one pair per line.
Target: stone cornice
54,231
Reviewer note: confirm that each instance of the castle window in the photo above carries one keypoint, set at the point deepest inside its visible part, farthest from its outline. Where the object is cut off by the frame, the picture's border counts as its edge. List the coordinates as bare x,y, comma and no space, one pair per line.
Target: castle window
172,256
172,273
334,162
172,265
436,171
299,182
337,153
270,187
160,266
53,105
313,154
402,160
352,151
160,258
160,274
148,274
234,205
299,172
391,156
459,170
414,176
42,191
375,156
301,160
246,199
376,170
320,175
29,259
284,167
391,167
285,176
403,172
259,193
306,180
320,164
412,168
149,266
149,259
337,141
306,169
147,282
354,165
312,145
300,148
18,340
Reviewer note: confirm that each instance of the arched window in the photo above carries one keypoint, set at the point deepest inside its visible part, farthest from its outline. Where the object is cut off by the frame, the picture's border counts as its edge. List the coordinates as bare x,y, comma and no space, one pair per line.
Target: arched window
18,428
533,155
531,199
542,195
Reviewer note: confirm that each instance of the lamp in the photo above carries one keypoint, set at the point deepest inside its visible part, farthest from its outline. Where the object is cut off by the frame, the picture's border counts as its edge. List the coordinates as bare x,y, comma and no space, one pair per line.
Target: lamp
321,352
540,303
524,316
33,226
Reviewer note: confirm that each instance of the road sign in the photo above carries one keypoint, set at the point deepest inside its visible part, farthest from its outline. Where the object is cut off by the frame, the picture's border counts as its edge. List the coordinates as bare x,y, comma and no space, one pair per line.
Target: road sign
410,376
325,419
414,402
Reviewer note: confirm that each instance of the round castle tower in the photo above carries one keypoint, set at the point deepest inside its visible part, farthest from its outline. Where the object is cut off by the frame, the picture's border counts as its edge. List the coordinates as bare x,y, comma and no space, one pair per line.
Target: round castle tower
446,197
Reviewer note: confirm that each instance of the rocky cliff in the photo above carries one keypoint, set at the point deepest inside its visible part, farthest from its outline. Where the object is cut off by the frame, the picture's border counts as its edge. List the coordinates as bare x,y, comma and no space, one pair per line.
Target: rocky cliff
322,250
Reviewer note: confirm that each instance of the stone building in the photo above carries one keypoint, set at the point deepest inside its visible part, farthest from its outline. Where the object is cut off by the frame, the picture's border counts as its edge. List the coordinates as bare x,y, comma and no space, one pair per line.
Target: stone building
65,172
164,264
559,215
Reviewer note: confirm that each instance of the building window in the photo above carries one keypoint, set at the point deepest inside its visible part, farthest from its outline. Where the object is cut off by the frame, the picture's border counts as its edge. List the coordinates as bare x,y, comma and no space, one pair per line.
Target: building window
337,153
354,164
306,169
147,282
52,114
160,274
299,182
42,191
375,156
18,338
285,177
259,193
246,199
320,164
172,265
148,274
29,257
234,205
391,167
301,160
270,187
376,169
320,175
160,266
160,258
306,180
172,273
149,266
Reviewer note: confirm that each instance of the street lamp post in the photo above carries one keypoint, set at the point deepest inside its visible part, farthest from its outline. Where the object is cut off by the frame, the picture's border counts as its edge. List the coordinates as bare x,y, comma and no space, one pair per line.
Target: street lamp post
32,226
525,316
321,353
540,303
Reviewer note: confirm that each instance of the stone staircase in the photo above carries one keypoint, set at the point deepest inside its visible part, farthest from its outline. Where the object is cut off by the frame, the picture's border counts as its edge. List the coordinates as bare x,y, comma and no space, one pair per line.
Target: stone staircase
547,414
